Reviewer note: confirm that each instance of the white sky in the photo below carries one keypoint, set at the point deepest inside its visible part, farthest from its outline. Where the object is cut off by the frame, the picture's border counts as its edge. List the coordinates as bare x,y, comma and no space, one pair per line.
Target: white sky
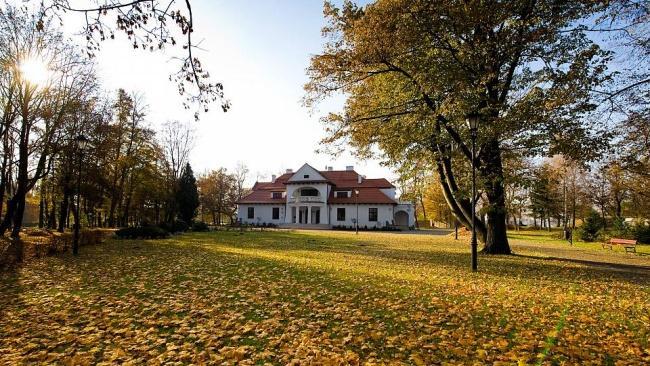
259,50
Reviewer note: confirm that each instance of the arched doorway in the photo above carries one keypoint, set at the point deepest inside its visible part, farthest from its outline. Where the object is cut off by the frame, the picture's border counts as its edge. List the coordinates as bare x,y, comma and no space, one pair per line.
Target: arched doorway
401,219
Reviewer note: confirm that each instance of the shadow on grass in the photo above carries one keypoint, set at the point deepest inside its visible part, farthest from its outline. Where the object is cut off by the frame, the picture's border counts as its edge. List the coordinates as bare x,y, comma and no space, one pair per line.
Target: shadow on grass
597,264
528,266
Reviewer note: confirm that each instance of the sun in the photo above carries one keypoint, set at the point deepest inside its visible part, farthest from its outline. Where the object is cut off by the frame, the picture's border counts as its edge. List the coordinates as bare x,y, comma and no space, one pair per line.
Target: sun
35,70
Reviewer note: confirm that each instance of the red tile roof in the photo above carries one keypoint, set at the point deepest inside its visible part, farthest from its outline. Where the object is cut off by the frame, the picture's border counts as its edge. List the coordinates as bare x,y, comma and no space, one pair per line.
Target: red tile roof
366,196
369,189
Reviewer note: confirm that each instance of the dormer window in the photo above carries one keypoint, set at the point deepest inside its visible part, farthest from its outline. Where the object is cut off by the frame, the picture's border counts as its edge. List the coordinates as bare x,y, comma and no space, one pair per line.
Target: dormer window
276,194
342,194
306,176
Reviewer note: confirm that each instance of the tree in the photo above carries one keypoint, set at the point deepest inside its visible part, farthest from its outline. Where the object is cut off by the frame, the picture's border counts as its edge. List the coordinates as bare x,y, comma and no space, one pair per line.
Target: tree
219,192
149,25
177,139
634,160
433,201
517,180
35,110
546,198
413,185
241,174
187,196
413,70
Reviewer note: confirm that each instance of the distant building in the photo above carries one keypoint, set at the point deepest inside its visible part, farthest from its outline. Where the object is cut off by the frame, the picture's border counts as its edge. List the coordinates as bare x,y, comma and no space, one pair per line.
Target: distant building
313,198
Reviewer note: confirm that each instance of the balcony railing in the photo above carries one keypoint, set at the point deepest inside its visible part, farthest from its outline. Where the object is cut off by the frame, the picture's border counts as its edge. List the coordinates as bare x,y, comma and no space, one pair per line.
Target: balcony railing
306,199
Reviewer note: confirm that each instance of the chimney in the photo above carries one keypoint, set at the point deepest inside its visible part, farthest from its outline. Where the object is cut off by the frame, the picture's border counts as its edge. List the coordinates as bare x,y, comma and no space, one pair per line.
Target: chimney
360,178
273,178
330,168
289,171
349,168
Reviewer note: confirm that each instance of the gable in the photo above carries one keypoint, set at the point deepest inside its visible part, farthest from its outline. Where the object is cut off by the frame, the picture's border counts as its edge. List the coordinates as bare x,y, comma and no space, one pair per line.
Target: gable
307,173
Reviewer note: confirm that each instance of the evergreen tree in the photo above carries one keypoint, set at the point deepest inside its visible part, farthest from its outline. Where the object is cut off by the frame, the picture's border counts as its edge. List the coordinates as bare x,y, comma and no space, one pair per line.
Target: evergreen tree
187,195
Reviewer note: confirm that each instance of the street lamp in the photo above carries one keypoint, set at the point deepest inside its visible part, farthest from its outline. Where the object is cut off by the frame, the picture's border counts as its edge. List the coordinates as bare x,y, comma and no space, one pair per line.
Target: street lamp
472,123
81,141
356,201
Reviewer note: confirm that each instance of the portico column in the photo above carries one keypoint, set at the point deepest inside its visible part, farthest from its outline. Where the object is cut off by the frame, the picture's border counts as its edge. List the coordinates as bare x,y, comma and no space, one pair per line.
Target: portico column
309,214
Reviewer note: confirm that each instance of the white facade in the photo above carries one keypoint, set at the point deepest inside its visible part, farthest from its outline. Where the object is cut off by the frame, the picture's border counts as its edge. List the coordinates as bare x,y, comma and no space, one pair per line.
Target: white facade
310,198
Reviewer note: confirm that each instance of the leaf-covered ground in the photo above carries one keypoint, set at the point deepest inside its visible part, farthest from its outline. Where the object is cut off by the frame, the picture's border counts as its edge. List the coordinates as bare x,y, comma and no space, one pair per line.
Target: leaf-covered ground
327,298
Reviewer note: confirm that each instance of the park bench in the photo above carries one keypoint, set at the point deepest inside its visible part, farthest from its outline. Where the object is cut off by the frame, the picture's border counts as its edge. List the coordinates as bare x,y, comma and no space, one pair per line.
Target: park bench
629,245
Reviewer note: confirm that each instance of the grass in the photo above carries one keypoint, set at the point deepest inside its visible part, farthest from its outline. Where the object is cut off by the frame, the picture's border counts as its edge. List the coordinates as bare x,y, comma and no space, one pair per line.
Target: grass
328,298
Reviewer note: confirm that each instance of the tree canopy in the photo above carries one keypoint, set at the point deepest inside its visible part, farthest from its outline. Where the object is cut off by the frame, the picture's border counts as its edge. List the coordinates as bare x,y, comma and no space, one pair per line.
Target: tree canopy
412,70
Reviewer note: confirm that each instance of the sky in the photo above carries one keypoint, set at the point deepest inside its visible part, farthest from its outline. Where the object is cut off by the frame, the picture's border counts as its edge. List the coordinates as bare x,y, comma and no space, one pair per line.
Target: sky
259,50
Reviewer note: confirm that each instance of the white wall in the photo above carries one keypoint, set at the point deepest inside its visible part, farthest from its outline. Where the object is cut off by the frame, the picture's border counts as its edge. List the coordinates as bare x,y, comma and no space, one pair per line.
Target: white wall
263,214
384,213
408,208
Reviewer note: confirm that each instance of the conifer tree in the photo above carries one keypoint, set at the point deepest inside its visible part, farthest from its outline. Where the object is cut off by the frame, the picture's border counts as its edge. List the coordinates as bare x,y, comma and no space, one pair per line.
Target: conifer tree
187,196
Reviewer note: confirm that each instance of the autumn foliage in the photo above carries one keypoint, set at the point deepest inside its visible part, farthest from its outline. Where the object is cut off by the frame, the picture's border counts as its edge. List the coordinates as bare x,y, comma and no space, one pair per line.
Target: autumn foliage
330,298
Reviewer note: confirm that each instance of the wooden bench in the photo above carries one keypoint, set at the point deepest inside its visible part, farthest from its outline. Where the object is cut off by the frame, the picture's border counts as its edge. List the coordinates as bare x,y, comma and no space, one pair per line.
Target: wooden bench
629,245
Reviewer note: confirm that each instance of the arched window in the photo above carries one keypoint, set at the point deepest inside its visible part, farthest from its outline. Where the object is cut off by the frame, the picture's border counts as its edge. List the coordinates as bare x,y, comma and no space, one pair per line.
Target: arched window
309,192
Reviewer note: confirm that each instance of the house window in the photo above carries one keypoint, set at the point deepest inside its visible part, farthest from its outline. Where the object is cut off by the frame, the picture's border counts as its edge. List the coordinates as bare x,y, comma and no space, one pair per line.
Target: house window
340,214
276,194
306,176
309,192
342,194
276,213
372,214
251,212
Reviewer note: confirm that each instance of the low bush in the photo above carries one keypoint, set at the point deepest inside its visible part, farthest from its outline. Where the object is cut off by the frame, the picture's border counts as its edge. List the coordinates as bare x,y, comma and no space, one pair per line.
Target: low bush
142,232
621,229
366,228
642,233
200,226
41,243
589,230
177,226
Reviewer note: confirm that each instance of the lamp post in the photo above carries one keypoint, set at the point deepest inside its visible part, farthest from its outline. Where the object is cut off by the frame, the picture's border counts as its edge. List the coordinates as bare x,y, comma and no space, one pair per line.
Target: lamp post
356,202
472,123
81,141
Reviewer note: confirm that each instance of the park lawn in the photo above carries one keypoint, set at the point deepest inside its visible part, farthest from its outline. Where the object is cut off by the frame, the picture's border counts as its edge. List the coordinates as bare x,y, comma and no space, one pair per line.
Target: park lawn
323,297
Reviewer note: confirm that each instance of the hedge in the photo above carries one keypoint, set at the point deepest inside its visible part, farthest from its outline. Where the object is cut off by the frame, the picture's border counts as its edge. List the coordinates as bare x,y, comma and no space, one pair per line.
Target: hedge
142,232
42,243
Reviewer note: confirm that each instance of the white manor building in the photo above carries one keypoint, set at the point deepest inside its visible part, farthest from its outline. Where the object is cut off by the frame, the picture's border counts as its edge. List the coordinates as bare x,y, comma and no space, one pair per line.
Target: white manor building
325,199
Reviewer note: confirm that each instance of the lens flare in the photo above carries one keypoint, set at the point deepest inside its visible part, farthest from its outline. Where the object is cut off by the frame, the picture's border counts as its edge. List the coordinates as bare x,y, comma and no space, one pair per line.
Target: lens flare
35,71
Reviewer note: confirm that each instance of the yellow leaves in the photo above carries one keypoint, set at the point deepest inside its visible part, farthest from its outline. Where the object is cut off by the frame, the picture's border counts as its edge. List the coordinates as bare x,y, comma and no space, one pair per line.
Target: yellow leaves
275,298
232,353
417,359
481,354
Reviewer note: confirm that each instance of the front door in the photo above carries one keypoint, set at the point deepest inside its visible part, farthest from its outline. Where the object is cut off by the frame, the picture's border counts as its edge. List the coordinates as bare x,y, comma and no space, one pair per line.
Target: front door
302,215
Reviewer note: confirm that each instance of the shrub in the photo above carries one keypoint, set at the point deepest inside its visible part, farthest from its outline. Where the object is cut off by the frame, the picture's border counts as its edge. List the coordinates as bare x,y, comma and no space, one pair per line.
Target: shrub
200,226
589,229
142,232
642,233
620,229
177,226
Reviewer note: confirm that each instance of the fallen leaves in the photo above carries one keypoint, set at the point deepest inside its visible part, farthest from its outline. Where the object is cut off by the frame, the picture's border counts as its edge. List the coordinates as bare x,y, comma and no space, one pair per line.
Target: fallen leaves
317,298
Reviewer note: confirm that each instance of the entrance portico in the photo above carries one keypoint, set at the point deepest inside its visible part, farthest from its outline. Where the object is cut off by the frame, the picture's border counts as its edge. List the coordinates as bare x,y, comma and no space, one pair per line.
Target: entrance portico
309,214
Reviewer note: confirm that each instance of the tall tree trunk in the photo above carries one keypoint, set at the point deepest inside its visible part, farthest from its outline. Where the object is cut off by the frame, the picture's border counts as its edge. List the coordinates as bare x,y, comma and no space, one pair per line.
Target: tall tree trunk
9,214
51,222
21,187
41,211
491,172
63,215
